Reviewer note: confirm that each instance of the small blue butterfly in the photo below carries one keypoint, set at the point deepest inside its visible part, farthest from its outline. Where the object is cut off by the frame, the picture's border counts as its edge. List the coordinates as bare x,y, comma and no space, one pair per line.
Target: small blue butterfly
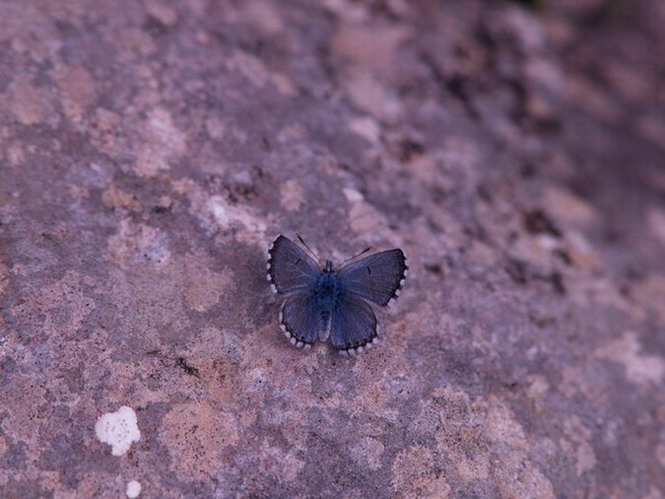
326,302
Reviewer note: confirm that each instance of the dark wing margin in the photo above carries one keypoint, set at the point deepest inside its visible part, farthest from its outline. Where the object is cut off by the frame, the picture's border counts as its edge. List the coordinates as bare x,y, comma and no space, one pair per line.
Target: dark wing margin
377,278
289,268
353,328
300,320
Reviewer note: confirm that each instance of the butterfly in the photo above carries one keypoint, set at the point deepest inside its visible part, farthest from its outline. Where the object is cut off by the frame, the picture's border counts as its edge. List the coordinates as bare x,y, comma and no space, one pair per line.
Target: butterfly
323,302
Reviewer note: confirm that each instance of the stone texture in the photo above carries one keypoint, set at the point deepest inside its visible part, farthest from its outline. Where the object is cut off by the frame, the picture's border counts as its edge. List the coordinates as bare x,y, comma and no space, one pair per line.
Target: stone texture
150,152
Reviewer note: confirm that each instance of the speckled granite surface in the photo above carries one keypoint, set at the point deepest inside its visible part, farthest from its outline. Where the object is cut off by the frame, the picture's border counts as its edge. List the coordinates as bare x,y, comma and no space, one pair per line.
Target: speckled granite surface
149,153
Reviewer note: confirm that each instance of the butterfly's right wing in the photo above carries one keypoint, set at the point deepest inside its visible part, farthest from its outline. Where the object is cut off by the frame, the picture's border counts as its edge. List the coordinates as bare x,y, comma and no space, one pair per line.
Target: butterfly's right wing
376,278
353,326
290,269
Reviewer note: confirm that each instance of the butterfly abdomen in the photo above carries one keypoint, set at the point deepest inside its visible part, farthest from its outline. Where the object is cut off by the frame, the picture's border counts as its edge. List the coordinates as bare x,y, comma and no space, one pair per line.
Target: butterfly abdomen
327,291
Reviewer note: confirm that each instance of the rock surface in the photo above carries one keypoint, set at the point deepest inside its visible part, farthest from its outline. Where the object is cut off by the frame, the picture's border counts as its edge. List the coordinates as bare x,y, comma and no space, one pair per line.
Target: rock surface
149,153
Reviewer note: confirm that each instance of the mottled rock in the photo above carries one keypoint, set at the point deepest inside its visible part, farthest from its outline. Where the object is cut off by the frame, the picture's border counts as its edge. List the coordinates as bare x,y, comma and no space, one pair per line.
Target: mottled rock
151,151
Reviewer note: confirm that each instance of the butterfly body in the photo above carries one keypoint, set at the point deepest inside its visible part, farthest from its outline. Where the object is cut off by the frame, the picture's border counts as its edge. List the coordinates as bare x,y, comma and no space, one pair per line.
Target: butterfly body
325,302
327,289
327,292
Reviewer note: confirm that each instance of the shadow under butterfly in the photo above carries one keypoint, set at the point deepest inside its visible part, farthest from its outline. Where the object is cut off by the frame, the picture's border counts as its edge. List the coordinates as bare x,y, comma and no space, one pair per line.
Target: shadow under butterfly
324,302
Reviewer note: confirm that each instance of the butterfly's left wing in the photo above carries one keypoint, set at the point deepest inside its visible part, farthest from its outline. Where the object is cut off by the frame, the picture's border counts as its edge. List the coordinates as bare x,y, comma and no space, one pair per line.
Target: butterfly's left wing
301,319
376,278
290,269
353,325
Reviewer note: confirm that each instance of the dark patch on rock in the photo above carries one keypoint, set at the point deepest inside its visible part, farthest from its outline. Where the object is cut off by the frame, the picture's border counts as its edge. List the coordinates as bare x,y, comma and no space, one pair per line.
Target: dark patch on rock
517,270
185,366
154,26
410,149
563,255
537,222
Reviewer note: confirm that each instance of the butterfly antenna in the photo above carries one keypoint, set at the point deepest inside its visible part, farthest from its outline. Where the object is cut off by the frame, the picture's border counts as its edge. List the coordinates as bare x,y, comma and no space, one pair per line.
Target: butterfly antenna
356,256
316,257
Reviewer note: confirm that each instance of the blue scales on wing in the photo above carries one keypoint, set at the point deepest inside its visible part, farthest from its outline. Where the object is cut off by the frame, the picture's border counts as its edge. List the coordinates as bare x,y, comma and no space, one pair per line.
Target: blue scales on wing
290,269
376,278
353,327
301,319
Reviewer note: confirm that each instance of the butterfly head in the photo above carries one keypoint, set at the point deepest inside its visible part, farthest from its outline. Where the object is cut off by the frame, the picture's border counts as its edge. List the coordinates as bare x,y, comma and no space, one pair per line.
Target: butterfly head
328,267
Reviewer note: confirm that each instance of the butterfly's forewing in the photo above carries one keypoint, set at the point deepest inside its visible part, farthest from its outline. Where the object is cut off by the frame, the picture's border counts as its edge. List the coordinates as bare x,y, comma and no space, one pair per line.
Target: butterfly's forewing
301,319
290,269
376,278
353,324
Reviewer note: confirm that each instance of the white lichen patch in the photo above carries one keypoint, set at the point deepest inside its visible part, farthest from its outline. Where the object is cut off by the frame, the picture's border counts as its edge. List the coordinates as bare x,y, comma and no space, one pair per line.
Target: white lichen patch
567,206
227,215
78,91
73,305
133,489
30,104
515,475
371,96
162,143
138,244
251,67
660,453
368,451
114,198
265,15
375,49
293,195
166,15
367,127
501,425
282,464
576,444
651,294
363,217
640,369
203,286
474,468
416,474
216,128
459,432
3,445
196,435
656,222
118,429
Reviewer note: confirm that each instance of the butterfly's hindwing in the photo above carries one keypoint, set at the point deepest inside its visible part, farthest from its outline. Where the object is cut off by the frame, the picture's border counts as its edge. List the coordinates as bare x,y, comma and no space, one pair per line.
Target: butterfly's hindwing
376,278
353,325
289,267
301,319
